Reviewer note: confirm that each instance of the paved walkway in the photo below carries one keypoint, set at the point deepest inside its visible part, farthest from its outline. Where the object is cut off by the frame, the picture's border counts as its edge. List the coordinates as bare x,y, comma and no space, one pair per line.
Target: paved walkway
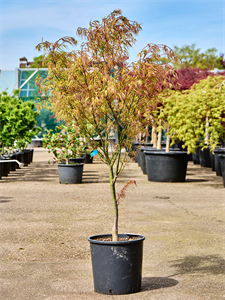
45,225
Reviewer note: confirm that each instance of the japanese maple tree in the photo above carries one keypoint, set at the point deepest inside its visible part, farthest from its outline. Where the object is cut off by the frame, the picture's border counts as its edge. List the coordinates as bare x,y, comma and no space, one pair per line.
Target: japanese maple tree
98,90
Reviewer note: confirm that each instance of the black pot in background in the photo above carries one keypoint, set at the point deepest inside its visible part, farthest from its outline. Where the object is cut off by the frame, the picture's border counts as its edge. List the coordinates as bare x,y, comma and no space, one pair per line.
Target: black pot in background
222,161
117,266
88,159
212,161
71,173
196,156
218,151
26,157
20,158
166,167
0,171
143,157
133,151
14,165
204,157
5,166
31,155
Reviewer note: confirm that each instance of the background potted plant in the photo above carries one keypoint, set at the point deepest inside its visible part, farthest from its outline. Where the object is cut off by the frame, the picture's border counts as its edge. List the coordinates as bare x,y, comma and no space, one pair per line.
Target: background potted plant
97,86
18,126
196,116
68,149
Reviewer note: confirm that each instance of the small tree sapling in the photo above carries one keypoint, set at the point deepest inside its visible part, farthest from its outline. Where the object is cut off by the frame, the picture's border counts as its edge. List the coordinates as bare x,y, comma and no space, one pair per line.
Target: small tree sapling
97,87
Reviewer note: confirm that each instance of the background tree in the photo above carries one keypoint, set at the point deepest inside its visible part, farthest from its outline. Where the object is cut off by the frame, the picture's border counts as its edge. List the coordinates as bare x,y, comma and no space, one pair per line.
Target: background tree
39,62
192,57
187,76
197,114
98,89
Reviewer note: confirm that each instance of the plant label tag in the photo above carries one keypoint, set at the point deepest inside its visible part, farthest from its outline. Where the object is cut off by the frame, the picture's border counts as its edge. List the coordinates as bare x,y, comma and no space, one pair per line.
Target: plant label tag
94,153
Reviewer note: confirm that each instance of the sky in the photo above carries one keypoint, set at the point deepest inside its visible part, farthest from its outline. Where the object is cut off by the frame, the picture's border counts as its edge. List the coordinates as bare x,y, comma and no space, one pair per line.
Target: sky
24,23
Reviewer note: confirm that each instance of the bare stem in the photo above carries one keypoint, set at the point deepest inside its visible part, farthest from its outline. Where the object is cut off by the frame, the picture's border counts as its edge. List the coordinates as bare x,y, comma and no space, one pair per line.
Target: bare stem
115,205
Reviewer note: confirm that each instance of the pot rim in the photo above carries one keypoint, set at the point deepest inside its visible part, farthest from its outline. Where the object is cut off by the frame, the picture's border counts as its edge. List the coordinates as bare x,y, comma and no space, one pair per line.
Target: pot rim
219,150
165,153
70,165
92,240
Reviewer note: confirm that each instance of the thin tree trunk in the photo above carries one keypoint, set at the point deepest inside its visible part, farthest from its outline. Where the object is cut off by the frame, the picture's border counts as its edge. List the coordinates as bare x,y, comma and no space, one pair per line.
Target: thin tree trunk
167,141
115,206
147,134
207,131
159,145
154,136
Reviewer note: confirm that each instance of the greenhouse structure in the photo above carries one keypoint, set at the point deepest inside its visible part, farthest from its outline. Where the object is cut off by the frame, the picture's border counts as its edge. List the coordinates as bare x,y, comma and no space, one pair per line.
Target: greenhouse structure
24,80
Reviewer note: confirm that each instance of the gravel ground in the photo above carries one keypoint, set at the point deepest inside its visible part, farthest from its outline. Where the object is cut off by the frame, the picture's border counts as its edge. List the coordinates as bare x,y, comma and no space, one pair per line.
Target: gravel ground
45,254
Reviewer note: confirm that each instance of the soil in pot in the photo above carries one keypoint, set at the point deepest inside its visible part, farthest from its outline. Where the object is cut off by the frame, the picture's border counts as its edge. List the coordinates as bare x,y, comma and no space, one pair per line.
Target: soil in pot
77,160
71,173
117,266
166,167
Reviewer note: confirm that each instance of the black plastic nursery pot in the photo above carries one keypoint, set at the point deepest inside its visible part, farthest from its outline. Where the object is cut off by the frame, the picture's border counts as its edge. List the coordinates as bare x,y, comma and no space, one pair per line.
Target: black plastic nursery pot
117,266
143,159
133,151
13,166
222,161
31,155
204,157
71,173
217,152
212,161
166,166
196,156
26,157
88,159
20,158
5,166
0,171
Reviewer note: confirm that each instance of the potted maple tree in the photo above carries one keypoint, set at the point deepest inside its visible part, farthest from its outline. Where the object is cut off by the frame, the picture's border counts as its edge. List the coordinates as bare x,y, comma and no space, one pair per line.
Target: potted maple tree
97,86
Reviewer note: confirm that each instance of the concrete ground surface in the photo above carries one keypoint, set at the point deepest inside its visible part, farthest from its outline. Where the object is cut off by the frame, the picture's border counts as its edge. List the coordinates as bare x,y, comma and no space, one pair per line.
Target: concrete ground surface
45,254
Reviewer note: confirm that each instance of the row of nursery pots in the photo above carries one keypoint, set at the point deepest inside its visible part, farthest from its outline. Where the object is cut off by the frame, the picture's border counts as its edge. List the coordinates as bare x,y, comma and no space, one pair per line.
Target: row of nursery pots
161,166
9,163
73,172
215,160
